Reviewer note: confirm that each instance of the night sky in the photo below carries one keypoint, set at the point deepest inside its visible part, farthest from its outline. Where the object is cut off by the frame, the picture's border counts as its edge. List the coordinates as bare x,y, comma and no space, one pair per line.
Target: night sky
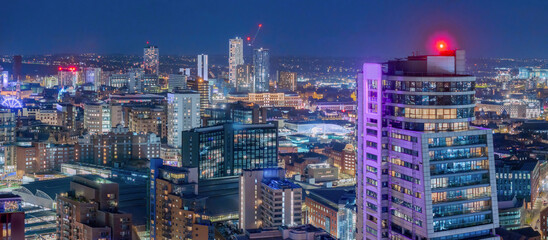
364,28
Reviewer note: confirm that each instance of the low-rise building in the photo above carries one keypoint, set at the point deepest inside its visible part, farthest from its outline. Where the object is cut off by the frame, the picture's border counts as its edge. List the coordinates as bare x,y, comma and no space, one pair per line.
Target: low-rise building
333,210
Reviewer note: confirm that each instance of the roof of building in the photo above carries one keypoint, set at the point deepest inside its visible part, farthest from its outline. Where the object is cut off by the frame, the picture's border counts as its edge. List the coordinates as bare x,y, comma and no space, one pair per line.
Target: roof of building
332,197
281,184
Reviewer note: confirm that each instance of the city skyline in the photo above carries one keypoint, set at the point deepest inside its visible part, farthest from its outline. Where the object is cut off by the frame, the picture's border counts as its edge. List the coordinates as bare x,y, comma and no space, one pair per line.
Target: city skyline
509,29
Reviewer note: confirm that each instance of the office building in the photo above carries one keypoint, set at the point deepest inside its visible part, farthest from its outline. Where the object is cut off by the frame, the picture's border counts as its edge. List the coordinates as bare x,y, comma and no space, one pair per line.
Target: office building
321,172
176,81
235,58
514,179
148,84
333,210
287,81
151,59
244,78
261,70
90,211
225,150
93,76
202,67
269,99
268,200
201,86
68,77
176,211
238,112
423,172
183,113
119,80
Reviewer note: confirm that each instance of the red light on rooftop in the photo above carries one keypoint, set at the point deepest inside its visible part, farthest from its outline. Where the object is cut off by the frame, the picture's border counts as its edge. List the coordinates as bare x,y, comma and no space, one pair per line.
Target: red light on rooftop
60,69
260,25
248,38
441,46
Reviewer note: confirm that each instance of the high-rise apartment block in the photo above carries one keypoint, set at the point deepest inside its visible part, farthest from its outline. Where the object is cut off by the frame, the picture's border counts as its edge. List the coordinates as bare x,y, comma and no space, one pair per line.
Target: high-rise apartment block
268,200
183,113
201,86
244,78
90,211
97,117
261,70
228,149
235,58
423,172
176,212
151,59
287,81
202,67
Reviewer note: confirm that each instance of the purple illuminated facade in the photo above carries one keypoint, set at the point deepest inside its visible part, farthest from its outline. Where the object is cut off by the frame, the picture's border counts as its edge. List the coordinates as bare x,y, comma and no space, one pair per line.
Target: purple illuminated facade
423,172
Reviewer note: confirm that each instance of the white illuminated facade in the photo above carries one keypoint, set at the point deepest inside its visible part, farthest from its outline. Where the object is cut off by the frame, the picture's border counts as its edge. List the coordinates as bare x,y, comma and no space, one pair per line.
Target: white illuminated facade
183,113
235,58
202,66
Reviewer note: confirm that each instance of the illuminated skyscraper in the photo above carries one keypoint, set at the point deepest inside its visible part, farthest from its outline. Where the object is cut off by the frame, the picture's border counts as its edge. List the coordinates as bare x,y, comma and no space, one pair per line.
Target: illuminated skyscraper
201,86
287,81
261,64
202,66
151,62
423,172
235,58
183,113
244,78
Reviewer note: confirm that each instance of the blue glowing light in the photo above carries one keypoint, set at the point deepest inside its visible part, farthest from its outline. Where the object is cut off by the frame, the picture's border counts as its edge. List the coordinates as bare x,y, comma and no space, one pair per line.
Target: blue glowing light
11,102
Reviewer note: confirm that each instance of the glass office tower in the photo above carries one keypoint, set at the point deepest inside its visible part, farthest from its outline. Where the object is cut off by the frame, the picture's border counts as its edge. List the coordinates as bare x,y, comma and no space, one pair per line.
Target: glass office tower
423,171
227,149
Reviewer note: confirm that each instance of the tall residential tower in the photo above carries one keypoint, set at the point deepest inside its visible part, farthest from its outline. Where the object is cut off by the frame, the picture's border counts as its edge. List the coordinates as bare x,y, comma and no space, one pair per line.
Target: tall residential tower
235,58
423,171
261,63
151,62
202,67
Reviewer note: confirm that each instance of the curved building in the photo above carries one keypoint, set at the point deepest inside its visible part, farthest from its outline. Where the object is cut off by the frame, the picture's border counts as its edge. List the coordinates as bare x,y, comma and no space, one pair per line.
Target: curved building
423,172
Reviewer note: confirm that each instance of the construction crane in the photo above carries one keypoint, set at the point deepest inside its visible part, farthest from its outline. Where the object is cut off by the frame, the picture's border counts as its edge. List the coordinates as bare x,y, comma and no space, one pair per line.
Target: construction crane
251,41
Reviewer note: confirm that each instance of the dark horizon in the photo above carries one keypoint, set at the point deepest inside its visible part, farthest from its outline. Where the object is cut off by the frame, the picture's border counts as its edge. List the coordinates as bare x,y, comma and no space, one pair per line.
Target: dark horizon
384,29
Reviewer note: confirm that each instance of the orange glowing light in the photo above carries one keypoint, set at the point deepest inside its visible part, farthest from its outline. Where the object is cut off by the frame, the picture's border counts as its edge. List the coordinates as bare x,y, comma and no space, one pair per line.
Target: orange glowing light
248,38
60,68
261,25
